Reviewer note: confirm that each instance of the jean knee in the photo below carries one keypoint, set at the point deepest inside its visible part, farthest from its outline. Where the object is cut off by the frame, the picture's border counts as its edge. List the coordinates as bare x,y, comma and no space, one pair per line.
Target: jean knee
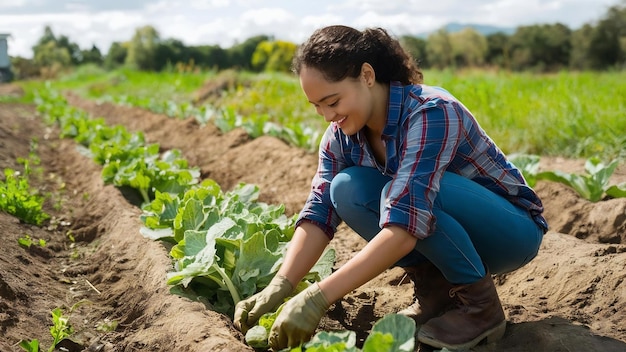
341,190
535,249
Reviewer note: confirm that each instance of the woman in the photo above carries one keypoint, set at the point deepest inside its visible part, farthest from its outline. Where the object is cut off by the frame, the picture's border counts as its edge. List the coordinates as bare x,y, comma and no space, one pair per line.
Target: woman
409,169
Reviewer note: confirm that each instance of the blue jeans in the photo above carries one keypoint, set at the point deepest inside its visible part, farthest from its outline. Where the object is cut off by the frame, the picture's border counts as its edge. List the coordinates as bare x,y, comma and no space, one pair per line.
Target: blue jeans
474,227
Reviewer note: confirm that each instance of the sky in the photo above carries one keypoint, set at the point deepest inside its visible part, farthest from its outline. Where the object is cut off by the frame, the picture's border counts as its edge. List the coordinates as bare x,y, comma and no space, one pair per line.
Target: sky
227,22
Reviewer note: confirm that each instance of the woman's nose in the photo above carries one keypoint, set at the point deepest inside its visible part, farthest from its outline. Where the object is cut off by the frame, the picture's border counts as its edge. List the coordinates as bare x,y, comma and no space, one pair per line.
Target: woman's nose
328,114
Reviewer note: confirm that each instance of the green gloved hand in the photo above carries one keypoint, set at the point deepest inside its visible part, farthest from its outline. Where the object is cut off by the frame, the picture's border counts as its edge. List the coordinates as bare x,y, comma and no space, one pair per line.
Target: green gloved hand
298,318
249,310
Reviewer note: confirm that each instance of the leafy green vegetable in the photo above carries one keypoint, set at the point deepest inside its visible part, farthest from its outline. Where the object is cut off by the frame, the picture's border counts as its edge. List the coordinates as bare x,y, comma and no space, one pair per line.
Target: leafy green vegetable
27,241
392,333
59,330
399,327
591,186
330,341
19,199
227,246
617,191
258,335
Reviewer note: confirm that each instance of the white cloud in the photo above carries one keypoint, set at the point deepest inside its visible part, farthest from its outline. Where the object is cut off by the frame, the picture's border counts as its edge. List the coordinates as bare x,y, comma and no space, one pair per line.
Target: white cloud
224,22
5,5
208,4
263,17
398,24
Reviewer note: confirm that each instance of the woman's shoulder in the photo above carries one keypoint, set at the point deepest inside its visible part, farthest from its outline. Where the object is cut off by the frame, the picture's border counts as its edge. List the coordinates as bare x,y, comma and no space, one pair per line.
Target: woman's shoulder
422,96
428,91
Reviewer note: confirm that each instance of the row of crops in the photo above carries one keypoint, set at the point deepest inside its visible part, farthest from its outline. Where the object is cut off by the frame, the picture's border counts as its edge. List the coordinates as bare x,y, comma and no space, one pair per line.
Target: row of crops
570,114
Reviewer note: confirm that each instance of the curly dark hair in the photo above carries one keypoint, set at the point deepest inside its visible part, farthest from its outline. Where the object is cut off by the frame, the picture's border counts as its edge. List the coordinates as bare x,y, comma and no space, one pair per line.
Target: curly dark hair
340,51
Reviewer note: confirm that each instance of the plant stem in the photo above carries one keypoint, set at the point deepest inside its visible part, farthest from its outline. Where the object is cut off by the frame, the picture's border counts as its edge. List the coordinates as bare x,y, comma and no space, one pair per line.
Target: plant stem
231,287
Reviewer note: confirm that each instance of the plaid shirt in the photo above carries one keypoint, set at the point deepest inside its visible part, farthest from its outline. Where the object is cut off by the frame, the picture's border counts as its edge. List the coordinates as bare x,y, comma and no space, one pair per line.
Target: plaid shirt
428,132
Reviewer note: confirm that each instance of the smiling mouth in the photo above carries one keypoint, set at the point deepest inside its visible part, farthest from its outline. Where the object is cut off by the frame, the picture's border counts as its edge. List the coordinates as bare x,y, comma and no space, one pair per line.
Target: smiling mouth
339,122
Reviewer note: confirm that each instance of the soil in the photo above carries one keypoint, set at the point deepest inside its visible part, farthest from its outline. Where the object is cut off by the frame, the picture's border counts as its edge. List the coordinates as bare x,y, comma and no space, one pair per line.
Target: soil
571,297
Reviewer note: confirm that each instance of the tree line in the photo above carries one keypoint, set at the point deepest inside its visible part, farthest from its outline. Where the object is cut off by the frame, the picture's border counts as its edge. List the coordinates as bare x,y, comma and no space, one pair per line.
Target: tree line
600,45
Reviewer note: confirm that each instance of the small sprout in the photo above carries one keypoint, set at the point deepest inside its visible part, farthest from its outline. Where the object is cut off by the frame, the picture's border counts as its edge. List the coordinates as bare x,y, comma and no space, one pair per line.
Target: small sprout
70,236
75,254
59,330
107,325
26,241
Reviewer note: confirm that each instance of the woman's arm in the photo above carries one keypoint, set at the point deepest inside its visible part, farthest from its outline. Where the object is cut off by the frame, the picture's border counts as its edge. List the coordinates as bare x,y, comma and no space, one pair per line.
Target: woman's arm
305,248
388,246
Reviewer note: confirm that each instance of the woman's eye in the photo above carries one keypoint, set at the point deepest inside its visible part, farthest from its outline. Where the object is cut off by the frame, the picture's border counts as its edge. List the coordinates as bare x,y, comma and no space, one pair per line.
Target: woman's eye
332,105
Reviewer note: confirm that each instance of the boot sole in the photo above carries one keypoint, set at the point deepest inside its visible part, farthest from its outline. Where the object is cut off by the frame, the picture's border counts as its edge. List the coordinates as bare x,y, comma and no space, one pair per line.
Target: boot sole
492,335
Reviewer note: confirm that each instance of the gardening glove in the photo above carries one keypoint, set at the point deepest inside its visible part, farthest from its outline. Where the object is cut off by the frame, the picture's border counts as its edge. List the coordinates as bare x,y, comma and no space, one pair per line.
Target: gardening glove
249,310
298,318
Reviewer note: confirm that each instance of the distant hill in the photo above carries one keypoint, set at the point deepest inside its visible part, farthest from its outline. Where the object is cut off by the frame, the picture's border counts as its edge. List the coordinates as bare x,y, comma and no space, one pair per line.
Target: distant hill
480,28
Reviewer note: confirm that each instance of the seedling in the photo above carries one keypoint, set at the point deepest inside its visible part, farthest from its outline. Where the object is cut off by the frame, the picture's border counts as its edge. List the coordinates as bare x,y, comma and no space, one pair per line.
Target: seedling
59,330
107,325
19,199
27,241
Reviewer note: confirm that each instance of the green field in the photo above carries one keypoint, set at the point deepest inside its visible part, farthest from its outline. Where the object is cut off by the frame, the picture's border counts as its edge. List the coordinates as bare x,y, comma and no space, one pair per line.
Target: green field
571,114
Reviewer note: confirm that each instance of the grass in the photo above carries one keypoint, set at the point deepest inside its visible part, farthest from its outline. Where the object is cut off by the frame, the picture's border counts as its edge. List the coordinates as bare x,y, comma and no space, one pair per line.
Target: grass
94,82
571,114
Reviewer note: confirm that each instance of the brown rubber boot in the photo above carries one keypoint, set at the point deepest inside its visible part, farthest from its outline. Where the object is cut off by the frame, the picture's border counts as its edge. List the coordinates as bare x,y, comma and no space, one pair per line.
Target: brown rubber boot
478,315
430,293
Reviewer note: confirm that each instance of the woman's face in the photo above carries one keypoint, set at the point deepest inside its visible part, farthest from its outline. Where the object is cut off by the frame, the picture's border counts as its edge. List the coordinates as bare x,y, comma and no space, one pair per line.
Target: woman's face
346,103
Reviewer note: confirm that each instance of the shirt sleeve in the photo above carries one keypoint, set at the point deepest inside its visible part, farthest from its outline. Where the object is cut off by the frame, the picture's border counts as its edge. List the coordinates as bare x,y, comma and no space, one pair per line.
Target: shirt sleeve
318,208
431,138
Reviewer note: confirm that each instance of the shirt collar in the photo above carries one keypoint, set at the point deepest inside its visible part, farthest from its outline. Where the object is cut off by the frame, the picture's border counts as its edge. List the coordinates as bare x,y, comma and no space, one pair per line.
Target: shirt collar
394,110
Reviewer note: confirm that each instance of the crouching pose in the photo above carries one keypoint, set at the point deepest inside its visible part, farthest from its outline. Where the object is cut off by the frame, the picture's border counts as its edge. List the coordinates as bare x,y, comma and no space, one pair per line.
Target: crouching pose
409,169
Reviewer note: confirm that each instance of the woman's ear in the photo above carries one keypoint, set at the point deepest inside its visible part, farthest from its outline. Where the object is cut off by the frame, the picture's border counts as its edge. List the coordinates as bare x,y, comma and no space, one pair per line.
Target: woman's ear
368,75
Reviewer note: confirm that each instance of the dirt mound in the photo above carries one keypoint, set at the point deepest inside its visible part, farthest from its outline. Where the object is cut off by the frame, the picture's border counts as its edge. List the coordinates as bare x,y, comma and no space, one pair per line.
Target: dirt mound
601,222
571,297
213,89
11,90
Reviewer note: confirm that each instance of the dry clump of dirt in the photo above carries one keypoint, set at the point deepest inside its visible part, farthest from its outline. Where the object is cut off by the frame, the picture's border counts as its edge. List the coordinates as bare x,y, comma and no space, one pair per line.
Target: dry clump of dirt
571,297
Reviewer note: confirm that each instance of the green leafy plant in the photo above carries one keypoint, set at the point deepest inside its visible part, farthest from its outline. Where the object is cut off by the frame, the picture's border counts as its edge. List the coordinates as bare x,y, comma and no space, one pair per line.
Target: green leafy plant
257,336
392,333
227,246
27,241
594,184
59,330
19,199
